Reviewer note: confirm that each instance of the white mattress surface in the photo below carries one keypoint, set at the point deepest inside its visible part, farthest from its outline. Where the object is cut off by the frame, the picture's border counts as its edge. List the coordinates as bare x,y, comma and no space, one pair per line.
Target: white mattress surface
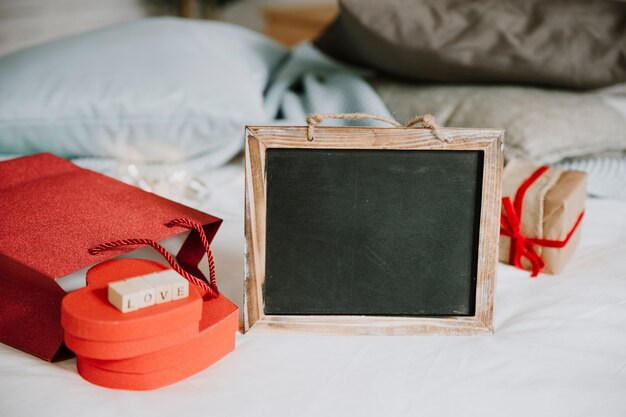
559,349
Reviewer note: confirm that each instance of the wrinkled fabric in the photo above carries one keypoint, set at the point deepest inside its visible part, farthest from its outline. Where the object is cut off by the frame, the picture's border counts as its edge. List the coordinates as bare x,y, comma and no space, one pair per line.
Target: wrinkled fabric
305,82
311,82
542,125
574,130
558,350
149,91
567,43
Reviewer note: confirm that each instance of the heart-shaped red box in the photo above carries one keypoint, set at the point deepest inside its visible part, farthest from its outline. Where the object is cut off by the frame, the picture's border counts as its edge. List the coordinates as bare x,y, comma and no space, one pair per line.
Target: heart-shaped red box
147,348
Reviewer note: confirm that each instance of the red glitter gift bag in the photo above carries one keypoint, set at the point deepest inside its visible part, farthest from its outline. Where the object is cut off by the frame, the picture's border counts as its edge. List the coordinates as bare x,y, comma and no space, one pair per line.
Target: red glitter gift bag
53,212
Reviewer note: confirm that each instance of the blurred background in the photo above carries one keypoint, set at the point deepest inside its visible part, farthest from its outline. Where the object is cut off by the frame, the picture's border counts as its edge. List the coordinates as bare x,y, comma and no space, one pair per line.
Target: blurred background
158,94
28,22
152,91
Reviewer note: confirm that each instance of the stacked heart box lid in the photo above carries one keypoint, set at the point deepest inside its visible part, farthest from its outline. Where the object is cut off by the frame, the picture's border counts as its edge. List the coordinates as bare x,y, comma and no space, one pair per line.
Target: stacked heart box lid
146,348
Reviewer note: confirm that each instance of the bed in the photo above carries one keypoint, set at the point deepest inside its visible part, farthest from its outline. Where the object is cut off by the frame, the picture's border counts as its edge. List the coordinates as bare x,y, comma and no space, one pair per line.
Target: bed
558,349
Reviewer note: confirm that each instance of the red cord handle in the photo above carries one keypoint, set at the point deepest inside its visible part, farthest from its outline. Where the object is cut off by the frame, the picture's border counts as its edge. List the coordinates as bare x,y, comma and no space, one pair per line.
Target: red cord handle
209,289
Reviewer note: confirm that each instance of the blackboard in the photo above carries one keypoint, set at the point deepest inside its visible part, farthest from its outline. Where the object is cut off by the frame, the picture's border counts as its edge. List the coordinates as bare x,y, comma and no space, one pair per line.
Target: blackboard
382,231
372,232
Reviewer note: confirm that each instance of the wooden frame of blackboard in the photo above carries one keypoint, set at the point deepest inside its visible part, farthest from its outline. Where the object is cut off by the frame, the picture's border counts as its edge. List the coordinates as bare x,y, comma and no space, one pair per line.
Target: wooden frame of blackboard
261,138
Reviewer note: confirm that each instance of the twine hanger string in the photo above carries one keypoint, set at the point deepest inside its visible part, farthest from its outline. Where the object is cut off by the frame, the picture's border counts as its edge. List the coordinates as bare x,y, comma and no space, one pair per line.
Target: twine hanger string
427,121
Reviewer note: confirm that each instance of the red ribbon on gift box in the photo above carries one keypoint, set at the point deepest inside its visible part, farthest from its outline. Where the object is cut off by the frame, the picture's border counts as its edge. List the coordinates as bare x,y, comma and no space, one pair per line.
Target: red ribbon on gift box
522,245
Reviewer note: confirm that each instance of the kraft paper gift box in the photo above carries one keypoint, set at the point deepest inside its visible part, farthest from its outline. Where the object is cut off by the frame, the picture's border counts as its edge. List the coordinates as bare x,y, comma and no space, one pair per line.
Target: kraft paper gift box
542,212
53,212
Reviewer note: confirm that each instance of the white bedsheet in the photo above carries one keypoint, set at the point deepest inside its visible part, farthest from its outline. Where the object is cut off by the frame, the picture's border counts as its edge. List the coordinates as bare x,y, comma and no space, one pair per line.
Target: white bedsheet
559,350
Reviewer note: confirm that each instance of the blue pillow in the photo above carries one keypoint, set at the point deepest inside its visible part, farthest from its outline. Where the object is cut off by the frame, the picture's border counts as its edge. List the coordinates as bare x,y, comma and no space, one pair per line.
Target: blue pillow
154,90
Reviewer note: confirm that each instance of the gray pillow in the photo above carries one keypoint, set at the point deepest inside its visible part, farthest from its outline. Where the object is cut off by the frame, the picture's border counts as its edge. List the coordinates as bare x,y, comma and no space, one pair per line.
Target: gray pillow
542,125
567,43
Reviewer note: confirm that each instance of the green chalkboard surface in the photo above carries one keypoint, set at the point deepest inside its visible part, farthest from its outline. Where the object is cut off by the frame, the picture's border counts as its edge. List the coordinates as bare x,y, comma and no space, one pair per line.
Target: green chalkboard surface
372,232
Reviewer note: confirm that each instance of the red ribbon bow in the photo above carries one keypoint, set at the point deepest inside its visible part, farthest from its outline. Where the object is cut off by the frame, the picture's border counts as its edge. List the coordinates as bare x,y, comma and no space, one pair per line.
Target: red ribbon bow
521,245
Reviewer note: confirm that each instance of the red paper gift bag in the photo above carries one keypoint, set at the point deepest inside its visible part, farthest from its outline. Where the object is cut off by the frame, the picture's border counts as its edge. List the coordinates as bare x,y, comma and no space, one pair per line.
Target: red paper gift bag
52,213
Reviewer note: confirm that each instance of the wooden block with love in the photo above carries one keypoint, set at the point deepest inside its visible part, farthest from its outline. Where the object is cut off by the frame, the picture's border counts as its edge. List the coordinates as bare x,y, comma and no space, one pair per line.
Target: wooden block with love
144,291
